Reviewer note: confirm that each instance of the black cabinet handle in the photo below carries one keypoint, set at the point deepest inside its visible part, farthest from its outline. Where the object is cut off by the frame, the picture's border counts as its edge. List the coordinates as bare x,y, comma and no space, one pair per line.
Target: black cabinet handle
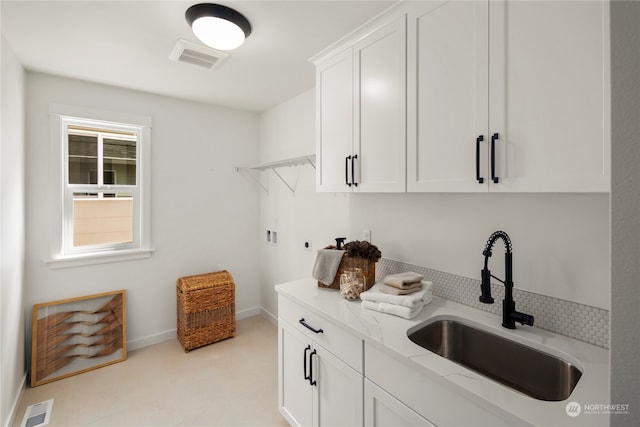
494,178
311,380
346,170
479,139
353,168
308,326
304,363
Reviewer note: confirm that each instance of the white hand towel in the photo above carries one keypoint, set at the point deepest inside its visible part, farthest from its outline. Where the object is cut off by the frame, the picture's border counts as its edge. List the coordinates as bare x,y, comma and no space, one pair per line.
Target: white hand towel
403,280
326,265
412,300
396,310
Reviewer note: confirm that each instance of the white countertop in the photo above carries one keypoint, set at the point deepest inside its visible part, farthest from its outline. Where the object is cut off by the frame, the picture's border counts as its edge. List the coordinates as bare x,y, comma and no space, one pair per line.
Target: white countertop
390,332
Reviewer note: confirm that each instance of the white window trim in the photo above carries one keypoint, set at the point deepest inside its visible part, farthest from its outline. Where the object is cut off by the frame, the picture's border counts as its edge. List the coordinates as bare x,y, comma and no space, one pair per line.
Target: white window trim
58,258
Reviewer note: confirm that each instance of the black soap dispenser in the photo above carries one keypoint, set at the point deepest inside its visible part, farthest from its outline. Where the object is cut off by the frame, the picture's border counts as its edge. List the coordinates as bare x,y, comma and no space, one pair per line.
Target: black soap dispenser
340,242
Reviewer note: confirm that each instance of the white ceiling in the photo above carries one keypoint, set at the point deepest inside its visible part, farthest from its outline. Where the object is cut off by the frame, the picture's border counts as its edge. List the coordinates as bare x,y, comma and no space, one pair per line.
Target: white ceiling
127,44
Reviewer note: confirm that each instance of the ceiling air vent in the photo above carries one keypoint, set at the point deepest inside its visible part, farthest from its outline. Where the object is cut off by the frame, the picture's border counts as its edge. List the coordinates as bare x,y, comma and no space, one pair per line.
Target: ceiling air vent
194,54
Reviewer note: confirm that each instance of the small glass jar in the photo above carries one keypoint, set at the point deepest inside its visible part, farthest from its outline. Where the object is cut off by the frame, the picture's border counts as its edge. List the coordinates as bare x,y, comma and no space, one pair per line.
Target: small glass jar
352,283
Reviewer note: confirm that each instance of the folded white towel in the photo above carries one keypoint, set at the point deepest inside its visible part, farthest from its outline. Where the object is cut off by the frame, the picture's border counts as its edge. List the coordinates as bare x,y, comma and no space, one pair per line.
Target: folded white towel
403,280
326,265
412,300
396,310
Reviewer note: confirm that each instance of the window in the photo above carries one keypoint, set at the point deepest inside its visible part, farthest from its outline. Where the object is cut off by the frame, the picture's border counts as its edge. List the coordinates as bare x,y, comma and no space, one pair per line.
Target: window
103,194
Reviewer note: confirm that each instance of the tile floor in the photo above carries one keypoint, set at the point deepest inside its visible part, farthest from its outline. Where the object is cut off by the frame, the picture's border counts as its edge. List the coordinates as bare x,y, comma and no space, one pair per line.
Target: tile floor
229,383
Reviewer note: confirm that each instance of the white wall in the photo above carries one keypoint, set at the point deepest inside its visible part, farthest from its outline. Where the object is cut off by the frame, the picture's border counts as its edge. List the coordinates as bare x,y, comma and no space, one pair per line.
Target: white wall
12,233
204,216
561,242
286,131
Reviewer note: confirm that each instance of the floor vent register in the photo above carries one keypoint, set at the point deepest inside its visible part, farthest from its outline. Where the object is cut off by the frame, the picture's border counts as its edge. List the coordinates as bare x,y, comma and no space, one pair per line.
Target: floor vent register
37,414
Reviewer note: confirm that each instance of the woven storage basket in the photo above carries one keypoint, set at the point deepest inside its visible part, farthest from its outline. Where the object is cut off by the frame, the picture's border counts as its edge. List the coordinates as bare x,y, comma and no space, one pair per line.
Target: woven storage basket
206,309
367,266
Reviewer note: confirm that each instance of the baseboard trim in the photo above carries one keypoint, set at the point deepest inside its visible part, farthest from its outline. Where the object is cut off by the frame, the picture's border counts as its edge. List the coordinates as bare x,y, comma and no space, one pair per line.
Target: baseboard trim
16,401
270,316
170,334
249,312
139,343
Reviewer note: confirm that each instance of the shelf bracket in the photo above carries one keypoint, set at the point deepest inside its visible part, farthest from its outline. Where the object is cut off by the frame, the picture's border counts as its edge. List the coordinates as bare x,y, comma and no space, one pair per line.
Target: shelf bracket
253,178
311,161
296,161
293,190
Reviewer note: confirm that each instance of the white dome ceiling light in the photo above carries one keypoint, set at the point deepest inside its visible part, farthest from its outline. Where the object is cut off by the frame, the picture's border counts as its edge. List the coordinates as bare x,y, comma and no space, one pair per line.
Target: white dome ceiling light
217,26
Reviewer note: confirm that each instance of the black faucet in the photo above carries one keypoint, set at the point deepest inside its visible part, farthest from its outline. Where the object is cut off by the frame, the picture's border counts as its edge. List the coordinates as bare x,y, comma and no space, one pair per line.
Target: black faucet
509,314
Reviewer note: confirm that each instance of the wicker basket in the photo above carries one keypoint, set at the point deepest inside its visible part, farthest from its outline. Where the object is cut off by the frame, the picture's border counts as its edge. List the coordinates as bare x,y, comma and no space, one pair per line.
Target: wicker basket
206,309
367,266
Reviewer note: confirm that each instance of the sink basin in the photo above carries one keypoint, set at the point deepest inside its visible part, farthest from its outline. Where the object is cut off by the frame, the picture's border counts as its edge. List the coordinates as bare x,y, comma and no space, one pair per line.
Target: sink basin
526,369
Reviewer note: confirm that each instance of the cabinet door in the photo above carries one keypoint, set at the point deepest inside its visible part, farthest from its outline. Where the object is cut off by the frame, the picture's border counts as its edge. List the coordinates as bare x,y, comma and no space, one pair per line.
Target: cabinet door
338,392
382,409
447,97
295,394
334,122
549,95
380,109
429,395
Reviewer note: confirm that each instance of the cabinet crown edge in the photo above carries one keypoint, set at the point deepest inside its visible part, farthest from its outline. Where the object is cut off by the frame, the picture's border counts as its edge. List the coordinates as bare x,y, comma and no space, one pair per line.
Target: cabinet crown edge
394,11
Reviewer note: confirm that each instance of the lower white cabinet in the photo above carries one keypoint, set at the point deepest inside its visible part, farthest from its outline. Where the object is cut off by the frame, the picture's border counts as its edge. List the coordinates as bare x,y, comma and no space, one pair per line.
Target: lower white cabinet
432,398
382,410
315,387
295,391
327,376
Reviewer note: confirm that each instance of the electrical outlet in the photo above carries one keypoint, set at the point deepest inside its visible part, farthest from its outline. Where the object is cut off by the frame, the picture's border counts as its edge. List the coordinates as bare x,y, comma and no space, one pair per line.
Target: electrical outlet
271,238
366,235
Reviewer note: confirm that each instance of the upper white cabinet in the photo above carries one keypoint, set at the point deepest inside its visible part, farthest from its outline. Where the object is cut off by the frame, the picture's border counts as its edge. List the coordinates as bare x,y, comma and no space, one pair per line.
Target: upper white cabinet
361,113
380,132
508,96
447,96
334,122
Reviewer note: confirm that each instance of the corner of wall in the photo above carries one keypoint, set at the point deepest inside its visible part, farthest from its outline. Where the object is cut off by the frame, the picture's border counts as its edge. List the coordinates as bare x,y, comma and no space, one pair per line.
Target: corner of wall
12,232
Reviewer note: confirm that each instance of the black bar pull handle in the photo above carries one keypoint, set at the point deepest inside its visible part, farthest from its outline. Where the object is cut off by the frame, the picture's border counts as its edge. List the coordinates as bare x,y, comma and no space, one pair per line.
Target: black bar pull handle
311,380
494,178
479,139
353,168
308,326
304,363
346,170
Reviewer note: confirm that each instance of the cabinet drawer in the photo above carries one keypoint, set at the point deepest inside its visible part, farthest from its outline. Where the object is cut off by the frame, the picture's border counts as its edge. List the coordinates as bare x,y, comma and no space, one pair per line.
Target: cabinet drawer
344,345
434,400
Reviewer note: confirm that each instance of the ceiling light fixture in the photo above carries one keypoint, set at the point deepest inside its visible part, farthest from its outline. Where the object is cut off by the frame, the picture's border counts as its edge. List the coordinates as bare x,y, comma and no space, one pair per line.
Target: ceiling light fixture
217,26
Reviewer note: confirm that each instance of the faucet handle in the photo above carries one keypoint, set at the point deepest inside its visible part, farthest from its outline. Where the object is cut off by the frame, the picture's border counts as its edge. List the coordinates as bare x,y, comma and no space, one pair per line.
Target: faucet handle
522,318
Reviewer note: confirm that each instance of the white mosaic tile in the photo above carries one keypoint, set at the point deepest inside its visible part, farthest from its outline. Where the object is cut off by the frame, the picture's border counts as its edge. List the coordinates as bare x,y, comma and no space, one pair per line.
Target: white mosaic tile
579,321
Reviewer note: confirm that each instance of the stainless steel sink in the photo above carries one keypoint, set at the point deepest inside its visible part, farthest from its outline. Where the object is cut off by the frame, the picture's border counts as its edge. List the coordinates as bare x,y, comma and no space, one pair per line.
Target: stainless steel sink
528,370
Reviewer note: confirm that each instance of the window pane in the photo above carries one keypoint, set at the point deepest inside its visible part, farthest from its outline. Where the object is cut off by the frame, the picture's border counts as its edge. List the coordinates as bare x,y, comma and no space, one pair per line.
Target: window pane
83,159
102,218
119,161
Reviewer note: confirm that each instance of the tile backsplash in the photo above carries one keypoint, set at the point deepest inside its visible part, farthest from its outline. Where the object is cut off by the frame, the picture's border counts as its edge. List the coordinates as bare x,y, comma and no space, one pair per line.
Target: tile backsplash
579,321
